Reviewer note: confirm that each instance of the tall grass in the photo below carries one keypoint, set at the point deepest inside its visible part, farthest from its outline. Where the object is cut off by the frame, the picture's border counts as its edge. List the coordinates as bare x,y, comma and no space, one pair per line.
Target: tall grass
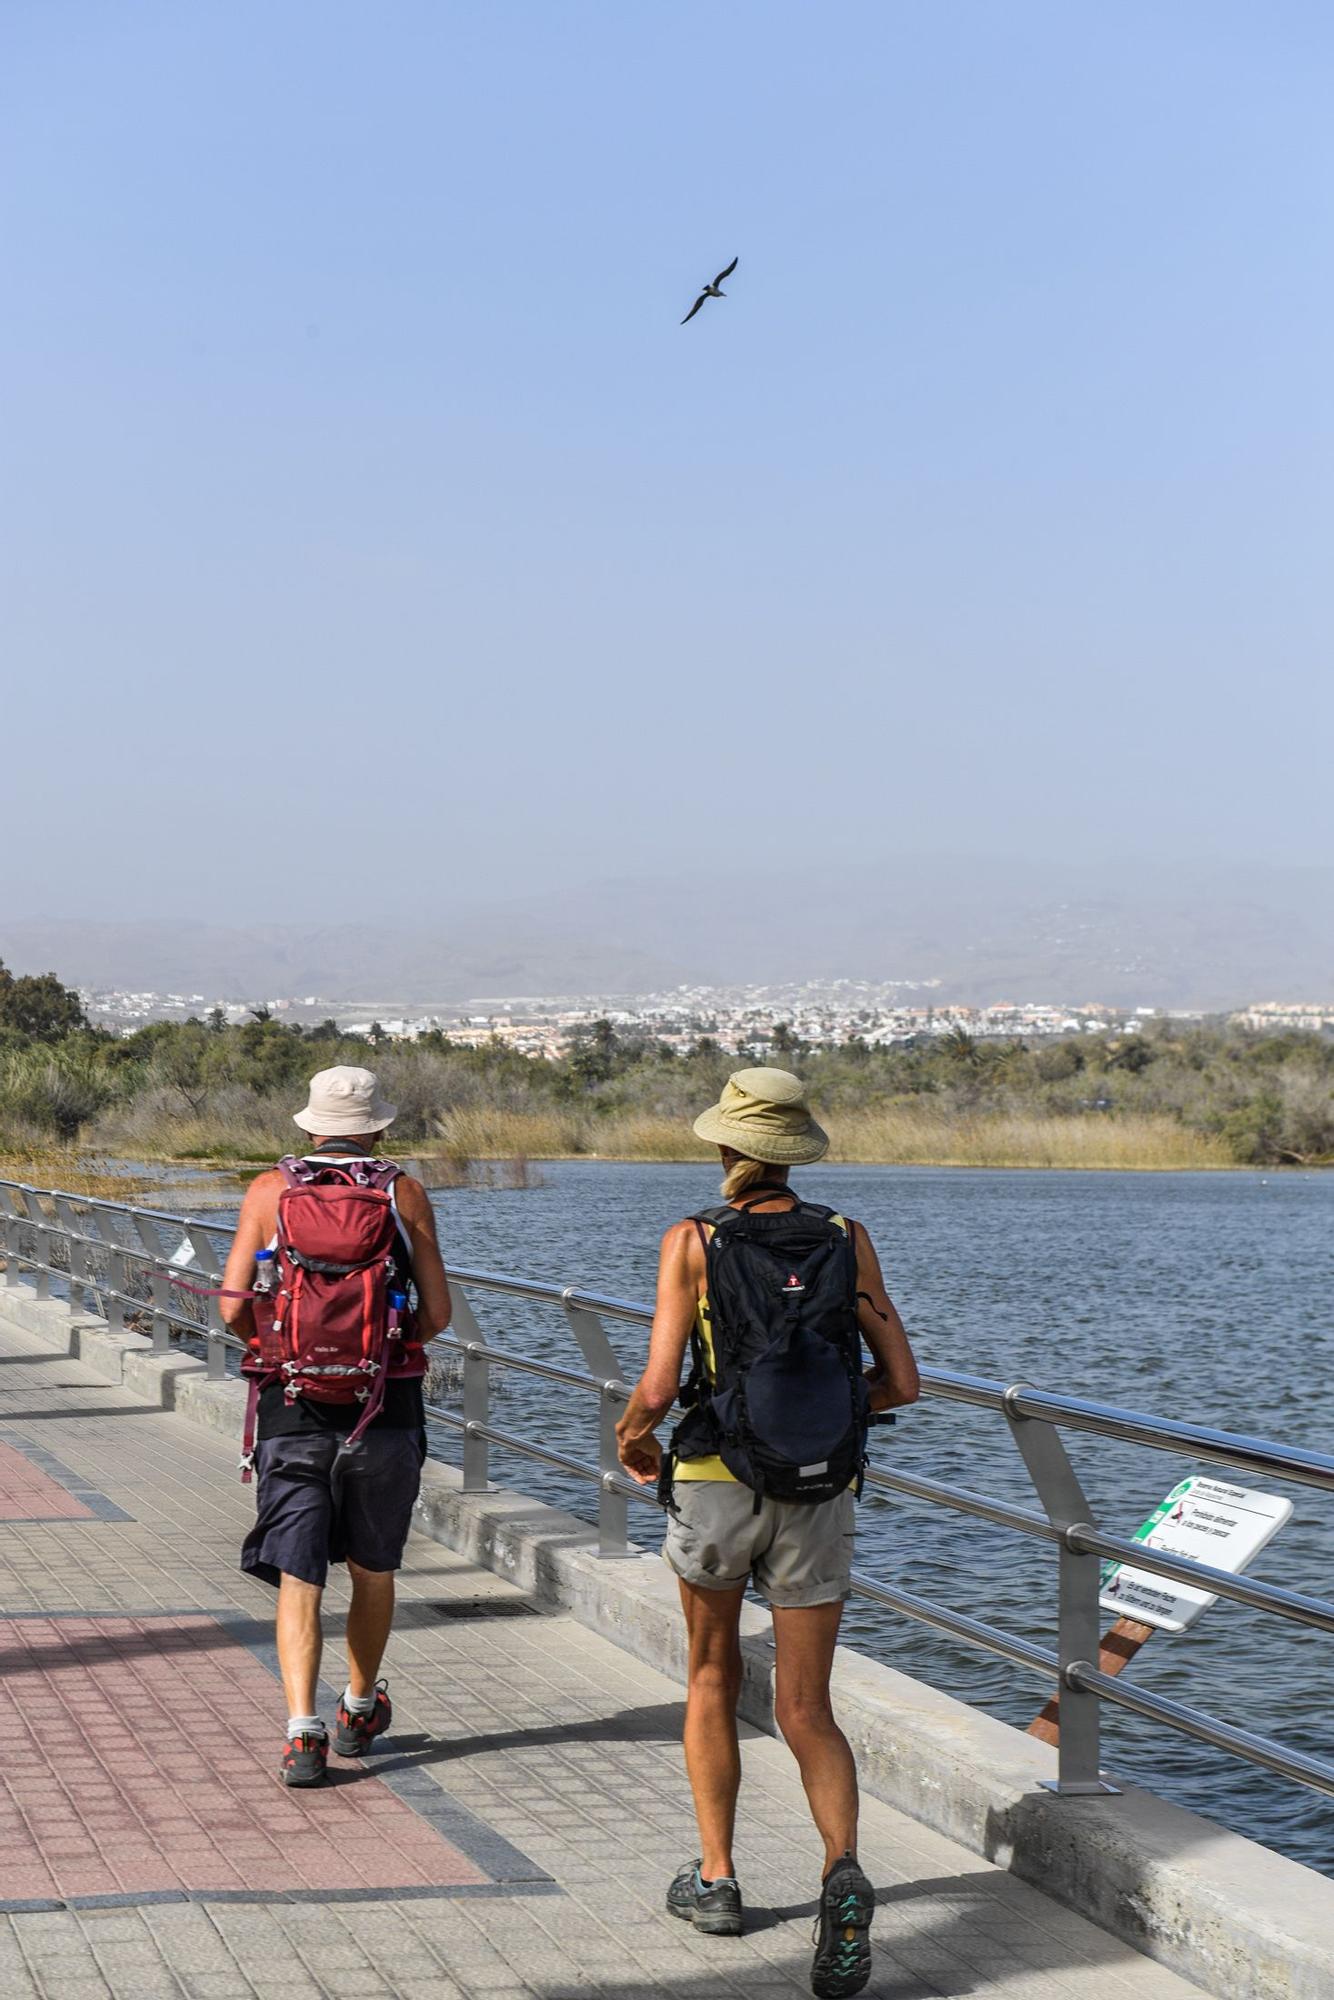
45,1165
906,1135
243,1128
897,1135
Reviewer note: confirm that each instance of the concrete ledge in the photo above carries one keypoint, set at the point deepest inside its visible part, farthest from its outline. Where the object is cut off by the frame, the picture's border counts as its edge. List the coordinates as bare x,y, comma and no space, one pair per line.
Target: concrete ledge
1242,1922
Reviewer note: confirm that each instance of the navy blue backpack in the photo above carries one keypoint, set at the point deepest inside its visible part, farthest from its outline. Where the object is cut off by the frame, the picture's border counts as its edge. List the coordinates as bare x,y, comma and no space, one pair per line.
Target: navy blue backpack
787,1406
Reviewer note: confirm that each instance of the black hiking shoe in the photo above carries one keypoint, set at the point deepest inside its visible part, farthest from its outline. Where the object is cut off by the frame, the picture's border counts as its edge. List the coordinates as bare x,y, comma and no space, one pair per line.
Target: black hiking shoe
353,1732
306,1758
842,1932
712,1907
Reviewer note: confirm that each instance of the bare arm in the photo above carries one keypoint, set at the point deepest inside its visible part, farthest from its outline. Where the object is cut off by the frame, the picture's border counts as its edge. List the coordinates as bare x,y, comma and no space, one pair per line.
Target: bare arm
259,1214
680,1268
894,1379
434,1305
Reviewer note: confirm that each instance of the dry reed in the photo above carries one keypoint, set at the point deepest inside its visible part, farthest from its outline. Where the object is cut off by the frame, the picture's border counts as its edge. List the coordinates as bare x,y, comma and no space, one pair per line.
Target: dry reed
896,1135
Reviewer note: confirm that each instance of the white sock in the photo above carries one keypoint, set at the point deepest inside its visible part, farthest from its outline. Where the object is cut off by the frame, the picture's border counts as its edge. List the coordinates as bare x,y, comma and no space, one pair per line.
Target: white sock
359,1704
304,1725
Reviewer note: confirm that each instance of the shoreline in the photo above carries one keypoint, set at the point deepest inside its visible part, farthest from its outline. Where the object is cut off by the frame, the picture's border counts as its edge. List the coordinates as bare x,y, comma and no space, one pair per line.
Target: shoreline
222,1164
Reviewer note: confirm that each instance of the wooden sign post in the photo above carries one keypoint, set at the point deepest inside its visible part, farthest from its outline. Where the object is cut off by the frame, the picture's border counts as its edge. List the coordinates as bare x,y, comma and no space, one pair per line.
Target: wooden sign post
1208,1520
1118,1649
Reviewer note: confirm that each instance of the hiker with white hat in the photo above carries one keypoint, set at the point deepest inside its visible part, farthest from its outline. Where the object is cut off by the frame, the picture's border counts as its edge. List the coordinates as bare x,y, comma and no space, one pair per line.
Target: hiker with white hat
335,1281
774,1297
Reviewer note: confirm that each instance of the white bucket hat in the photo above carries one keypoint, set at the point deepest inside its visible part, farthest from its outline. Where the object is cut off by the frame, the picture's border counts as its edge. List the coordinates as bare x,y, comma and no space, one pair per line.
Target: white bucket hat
763,1115
344,1101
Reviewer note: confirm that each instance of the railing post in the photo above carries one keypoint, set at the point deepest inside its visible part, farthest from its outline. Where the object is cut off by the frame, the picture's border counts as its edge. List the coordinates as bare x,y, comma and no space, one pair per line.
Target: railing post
37,1217
206,1262
476,1395
159,1283
1058,1488
613,1507
601,1360
107,1225
71,1226
12,1228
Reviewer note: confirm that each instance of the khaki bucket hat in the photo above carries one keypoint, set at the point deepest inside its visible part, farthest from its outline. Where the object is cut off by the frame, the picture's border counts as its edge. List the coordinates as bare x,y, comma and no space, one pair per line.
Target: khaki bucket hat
763,1115
344,1101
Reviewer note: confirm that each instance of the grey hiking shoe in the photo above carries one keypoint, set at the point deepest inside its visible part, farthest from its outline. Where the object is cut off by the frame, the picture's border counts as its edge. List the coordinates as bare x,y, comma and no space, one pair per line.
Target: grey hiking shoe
842,1932
712,1907
353,1732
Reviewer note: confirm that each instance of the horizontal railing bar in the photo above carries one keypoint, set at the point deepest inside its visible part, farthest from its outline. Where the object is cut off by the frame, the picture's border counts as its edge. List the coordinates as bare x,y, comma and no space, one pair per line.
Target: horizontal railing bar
124,1208
88,1283
1016,1401
560,1459
1244,1743
1293,1604
1297,1606
615,1484
573,1376
1022,1519
1109,1420
973,1631
559,1295
1252,1454
469,1428
1086,1540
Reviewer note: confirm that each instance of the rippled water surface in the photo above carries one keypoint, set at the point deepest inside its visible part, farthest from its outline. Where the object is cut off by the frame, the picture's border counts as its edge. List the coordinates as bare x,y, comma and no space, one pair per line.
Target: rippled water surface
1199,1296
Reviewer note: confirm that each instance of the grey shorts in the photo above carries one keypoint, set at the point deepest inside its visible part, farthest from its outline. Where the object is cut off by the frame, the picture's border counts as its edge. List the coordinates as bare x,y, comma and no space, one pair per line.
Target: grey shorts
321,1501
798,1556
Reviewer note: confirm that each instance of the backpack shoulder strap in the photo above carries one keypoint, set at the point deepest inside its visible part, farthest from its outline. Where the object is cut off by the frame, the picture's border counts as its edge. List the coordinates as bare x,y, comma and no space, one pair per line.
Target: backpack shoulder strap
764,1191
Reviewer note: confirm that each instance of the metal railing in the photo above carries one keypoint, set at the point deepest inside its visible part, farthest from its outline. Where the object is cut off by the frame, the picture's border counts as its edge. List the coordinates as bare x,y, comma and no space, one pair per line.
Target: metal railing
118,1260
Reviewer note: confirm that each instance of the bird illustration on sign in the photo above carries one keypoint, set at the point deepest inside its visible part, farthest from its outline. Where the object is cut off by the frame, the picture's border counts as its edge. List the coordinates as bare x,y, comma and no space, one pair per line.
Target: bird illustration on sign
713,291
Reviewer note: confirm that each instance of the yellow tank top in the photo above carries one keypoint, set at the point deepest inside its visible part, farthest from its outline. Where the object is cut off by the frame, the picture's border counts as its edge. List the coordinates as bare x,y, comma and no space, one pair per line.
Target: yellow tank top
712,1467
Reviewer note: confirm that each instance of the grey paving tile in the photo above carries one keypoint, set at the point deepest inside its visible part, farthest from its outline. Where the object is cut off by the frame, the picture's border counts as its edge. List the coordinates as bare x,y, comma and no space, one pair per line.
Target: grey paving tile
528,1721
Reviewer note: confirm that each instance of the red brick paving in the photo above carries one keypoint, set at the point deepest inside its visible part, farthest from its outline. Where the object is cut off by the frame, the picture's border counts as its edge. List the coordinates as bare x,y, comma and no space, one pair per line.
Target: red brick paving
103,1791
28,1494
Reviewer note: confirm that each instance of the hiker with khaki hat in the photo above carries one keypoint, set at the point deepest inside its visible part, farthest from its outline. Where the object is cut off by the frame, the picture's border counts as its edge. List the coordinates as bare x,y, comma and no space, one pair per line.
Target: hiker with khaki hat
774,1297
335,1281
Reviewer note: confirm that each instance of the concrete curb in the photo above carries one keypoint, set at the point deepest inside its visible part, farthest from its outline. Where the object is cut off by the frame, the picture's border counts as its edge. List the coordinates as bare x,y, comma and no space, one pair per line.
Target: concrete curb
1242,1922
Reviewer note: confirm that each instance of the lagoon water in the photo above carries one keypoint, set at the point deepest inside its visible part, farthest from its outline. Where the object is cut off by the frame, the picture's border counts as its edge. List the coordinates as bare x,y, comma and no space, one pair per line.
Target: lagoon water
1199,1296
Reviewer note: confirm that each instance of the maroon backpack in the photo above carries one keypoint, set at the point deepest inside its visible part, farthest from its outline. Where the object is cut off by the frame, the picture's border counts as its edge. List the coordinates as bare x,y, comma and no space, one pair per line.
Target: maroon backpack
331,1329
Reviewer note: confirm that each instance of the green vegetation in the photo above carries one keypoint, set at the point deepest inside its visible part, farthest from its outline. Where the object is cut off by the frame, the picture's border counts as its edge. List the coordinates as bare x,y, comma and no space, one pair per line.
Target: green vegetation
1169,1096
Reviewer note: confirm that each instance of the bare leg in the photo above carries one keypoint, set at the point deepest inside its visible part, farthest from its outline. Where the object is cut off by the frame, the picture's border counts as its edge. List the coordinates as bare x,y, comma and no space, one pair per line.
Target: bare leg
369,1617
300,1642
713,1756
804,1643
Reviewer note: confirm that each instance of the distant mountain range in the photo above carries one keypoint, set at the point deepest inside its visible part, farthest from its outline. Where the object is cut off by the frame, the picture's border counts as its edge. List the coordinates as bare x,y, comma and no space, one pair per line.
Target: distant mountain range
1174,936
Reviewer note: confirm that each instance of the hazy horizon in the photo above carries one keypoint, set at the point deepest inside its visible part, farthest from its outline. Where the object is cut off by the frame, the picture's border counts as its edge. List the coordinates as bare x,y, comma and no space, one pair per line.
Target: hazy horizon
1171,934
377,545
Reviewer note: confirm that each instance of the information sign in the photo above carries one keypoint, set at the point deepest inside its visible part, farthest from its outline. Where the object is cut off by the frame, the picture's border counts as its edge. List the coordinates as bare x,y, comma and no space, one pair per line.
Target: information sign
1211,1522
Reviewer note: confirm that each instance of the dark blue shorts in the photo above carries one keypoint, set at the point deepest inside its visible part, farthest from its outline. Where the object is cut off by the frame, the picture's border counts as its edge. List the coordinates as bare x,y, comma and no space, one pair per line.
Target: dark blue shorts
321,1500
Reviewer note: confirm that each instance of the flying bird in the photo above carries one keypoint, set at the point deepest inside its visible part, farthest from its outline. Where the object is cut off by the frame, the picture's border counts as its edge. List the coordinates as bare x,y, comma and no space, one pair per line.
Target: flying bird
712,291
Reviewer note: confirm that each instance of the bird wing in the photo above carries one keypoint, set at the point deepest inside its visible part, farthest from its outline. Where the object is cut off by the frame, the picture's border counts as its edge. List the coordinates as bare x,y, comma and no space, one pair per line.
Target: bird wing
728,272
695,308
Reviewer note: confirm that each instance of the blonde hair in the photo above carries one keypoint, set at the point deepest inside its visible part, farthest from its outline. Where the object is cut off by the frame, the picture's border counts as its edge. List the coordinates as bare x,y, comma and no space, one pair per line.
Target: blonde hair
743,1175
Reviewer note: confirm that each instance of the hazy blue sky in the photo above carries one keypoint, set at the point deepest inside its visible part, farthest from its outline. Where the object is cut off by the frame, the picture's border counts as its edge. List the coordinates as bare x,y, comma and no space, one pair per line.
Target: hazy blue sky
352,451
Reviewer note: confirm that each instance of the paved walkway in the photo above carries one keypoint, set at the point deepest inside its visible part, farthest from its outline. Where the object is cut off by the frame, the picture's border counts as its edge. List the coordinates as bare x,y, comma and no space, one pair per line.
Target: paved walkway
513,1837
